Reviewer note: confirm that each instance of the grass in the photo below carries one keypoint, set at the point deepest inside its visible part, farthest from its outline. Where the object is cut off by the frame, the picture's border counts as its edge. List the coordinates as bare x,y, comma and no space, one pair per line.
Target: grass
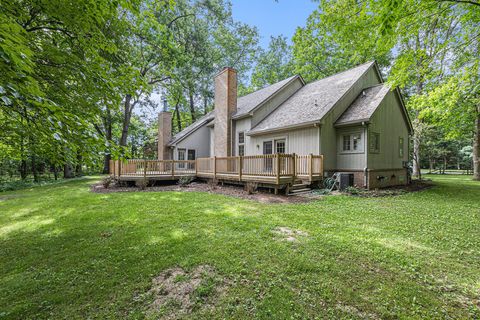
67,253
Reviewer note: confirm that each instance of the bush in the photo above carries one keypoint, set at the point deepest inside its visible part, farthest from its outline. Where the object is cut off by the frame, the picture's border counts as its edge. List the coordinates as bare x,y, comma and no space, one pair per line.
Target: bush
108,181
352,190
142,184
185,180
251,187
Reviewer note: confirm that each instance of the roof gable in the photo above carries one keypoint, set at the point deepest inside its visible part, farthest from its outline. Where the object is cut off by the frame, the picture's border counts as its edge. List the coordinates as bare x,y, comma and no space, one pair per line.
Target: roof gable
313,101
249,102
364,105
191,128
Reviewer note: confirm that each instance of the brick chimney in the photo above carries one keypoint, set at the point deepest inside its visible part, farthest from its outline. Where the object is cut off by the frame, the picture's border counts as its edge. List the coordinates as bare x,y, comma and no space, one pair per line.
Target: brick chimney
225,106
164,135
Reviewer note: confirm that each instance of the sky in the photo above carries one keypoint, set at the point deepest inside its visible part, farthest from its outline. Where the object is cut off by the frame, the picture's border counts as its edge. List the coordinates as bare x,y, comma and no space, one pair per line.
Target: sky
273,18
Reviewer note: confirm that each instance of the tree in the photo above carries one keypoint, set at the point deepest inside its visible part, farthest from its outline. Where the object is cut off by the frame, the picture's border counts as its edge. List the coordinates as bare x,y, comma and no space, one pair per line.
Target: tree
55,67
273,64
337,36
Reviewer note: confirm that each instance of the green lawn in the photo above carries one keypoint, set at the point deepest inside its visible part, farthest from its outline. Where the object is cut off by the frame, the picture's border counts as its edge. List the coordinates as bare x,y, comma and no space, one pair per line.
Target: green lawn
70,254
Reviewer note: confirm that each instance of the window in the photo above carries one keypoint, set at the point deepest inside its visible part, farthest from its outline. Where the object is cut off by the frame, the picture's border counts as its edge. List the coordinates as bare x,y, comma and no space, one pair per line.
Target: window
241,143
351,143
241,137
280,146
374,142
356,138
181,157
241,150
268,162
346,142
191,156
400,147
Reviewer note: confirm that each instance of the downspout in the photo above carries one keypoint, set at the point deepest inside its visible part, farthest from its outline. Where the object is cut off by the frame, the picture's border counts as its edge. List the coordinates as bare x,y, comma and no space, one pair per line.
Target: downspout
365,149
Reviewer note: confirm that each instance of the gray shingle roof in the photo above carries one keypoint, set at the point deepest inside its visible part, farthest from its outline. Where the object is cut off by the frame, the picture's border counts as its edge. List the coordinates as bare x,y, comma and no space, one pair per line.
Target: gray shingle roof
194,126
364,105
247,103
313,101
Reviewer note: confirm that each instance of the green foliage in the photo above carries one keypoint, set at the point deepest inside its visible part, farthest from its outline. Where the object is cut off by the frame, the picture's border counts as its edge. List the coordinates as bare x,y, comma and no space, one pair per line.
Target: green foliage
273,64
185,180
339,35
352,190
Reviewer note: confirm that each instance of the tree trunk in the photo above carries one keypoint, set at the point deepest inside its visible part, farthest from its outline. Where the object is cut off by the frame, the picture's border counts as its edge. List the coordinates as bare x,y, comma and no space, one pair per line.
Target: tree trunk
23,164
55,172
106,163
107,123
476,147
68,171
177,115
34,168
127,115
192,107
416,157
431,165
78,166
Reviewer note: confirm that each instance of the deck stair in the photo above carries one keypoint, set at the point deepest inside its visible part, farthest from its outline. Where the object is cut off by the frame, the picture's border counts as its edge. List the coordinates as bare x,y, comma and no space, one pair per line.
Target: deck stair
299,187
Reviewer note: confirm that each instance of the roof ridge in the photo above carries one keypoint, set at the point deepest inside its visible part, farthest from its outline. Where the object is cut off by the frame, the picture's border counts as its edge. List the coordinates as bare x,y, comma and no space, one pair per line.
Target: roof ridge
270,85
340,72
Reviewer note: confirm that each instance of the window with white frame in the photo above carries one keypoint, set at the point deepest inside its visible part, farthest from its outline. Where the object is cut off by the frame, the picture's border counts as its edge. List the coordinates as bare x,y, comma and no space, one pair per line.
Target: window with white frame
241,143
181,157
357,142
280,146
346,142
352,142
374,142
241,150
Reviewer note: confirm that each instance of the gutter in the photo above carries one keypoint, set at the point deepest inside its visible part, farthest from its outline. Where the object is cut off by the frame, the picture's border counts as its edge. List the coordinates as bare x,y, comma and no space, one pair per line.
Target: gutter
314,123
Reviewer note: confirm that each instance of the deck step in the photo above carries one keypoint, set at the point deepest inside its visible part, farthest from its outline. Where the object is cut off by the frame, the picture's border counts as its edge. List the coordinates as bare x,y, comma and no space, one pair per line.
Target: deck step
300,186
299,191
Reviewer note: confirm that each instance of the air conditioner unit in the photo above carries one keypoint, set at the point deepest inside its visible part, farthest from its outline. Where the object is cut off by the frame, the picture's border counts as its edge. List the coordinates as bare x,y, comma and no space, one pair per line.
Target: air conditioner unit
345,179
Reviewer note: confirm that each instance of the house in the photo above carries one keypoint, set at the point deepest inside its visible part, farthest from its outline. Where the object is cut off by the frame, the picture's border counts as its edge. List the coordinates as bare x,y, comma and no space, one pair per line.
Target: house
352,118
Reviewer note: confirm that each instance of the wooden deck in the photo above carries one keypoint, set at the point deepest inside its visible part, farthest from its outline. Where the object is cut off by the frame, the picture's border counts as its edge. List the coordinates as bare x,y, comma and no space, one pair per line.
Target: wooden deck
276,169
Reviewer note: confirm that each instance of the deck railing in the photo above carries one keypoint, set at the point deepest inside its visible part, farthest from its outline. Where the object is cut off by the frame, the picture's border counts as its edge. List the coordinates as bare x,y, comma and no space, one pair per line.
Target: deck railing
273,166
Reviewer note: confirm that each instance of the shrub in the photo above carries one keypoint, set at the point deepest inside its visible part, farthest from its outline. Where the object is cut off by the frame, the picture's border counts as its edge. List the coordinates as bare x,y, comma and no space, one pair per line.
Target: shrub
185,180
108,181
142,184
251,187
352,190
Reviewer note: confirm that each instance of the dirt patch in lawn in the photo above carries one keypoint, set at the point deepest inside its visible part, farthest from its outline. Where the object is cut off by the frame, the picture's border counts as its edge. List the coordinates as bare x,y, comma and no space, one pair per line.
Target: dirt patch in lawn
177,292
287,234
228,190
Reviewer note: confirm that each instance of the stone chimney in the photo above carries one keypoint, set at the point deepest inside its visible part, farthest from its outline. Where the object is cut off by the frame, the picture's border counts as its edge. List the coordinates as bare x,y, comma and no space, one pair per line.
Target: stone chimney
225,106
164,135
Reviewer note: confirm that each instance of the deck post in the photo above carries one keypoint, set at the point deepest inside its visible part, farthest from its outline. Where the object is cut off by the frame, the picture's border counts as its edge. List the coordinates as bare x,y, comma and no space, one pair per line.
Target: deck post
119,167
294,171
173,168
310,166
145,169
196,167
240,167
277,160
215,167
